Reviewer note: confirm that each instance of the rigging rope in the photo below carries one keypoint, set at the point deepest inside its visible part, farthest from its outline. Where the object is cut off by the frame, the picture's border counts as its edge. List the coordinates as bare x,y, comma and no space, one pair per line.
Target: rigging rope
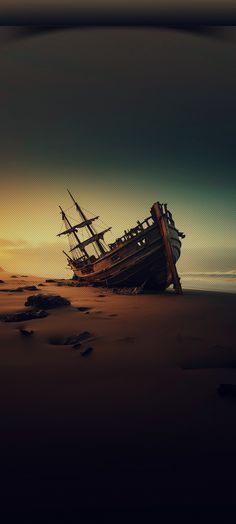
105,245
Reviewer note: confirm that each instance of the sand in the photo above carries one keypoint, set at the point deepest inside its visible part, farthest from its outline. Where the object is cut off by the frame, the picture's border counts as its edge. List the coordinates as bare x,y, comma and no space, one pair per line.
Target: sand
134,423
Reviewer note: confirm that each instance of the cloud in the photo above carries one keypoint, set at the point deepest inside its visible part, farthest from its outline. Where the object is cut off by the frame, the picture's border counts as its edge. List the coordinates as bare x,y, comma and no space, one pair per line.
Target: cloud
6,243
220,260
215,274
45,259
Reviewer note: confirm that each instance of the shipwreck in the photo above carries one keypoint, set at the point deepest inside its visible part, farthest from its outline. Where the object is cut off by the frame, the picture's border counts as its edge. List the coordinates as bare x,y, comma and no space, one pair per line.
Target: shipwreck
144,256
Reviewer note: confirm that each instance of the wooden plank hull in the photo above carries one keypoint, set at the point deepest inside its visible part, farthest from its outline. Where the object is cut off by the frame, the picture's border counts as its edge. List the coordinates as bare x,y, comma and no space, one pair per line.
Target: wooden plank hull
140,260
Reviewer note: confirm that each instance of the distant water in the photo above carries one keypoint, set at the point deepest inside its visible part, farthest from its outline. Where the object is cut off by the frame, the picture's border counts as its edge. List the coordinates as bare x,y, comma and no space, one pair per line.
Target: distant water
224,282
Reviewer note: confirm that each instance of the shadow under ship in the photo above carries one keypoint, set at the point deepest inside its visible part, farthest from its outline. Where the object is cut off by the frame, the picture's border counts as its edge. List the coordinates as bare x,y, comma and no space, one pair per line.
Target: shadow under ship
144,256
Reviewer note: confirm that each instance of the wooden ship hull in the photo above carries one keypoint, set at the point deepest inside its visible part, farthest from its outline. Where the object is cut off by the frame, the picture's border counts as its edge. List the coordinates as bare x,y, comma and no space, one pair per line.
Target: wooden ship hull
145,256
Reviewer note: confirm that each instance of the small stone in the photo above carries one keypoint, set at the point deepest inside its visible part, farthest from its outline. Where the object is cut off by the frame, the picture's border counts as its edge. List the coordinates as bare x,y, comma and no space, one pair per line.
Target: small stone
86,352
26,333
47,301
76,346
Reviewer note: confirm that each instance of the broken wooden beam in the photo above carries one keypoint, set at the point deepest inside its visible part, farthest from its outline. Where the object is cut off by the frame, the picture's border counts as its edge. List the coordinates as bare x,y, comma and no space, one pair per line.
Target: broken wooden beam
158,214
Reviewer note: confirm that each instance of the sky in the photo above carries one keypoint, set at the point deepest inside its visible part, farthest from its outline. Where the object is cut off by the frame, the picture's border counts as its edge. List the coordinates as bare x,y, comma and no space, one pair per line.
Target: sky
123,117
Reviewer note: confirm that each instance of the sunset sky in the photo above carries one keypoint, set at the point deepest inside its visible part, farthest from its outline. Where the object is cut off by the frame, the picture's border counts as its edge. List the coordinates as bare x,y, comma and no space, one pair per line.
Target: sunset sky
123,117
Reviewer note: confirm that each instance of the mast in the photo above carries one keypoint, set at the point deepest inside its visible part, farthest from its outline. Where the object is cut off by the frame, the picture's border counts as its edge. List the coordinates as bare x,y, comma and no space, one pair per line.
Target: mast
73,231
93,239
92,230
76,227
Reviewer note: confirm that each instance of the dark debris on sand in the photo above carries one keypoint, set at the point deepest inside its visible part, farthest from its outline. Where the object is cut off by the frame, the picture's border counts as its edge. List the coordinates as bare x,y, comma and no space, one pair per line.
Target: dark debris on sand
16,290
30,288
71,283
26,333
19,289
72,340
47,301
128,290
86,352
24,315
77,346
77,339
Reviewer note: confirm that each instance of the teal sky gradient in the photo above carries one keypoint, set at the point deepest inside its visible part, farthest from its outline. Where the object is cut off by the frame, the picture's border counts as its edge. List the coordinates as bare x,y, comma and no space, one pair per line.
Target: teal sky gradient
122,117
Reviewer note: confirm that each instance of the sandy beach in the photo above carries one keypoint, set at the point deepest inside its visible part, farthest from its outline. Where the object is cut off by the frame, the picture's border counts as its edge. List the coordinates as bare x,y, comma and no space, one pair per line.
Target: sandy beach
128,419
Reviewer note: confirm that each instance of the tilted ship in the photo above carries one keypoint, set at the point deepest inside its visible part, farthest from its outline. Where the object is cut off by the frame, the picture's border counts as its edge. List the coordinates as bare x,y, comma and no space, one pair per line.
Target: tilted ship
144,256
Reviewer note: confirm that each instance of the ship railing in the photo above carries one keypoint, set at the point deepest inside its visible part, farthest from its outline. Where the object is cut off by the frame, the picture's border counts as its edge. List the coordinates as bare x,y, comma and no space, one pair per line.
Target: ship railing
145,224
133,232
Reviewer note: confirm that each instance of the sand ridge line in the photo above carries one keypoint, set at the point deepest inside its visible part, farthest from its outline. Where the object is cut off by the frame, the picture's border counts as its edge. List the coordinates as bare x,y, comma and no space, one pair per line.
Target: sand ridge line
215,357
